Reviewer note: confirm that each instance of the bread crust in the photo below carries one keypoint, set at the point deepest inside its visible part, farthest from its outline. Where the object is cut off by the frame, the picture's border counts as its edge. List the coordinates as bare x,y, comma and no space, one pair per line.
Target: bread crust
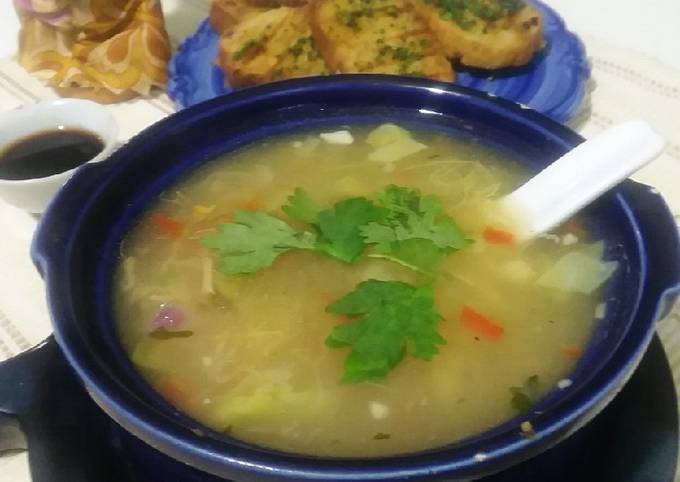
266,40
225,15
274,44
510,41
377,36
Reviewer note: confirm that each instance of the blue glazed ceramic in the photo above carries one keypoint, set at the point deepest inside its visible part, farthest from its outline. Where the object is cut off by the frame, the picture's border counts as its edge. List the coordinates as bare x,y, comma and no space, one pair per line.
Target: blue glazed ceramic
77,243
554,83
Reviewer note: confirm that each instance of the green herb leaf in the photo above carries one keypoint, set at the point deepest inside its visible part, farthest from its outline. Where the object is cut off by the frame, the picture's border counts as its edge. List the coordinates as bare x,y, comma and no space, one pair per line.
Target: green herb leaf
464,12
411,216
414,232
249,44
524,397
393,316
420,255
302,208
339,228
254,241
163,334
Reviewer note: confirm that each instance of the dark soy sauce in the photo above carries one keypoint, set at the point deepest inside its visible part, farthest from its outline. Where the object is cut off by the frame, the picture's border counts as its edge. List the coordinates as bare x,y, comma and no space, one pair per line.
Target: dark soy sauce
49,152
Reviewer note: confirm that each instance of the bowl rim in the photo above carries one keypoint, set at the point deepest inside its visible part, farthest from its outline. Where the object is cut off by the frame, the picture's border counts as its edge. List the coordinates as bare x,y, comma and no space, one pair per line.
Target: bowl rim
146,423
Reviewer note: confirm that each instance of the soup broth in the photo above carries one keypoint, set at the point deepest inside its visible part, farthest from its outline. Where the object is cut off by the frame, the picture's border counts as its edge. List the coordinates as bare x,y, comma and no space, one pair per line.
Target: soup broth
247,354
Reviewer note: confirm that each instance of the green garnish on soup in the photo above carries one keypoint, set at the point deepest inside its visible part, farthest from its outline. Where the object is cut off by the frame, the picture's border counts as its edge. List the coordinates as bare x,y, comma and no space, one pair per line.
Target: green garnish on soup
391,319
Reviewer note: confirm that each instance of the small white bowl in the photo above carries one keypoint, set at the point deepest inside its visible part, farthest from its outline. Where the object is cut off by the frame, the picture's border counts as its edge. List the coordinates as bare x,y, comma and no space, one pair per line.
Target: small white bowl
33,195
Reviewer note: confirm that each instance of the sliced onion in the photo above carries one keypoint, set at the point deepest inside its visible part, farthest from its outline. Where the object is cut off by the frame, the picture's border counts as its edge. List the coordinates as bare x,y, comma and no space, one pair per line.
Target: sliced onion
169,317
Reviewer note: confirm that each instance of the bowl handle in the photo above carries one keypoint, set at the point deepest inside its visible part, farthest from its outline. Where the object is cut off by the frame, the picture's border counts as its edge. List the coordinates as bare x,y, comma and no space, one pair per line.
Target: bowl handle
43,407
20,375
21,378
661,239
56,223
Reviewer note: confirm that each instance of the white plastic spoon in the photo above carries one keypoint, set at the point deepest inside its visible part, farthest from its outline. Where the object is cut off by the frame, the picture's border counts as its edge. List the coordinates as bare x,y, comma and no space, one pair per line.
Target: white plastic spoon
580,176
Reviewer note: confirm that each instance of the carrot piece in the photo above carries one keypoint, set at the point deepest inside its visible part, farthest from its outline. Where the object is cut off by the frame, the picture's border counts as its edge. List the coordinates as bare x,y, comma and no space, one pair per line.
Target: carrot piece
480,324
167,225
572,351
498,236
251,205
173,391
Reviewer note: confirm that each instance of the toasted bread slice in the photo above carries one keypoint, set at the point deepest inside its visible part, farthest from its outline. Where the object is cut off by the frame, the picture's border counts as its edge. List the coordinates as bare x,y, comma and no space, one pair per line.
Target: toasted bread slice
377,36
271,45
501,37
226,14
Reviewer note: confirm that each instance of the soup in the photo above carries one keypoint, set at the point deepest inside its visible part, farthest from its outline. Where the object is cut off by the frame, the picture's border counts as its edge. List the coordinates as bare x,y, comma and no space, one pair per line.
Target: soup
351,293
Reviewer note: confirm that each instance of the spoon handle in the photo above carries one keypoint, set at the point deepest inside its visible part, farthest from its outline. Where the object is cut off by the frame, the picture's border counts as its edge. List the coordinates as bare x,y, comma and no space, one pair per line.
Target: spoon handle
581,175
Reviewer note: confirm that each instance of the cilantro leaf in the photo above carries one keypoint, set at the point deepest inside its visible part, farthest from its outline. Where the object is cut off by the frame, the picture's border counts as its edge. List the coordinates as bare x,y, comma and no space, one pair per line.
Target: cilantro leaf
393,316
339,228
254,241
411,216
301,207
524,397
420,255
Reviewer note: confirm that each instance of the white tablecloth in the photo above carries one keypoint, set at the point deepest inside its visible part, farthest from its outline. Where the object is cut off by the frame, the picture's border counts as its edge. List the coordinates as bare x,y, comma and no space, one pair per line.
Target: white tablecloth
634,48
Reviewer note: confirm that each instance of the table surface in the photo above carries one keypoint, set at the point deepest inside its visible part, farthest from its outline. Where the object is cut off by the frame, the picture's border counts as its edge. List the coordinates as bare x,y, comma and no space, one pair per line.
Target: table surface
634,50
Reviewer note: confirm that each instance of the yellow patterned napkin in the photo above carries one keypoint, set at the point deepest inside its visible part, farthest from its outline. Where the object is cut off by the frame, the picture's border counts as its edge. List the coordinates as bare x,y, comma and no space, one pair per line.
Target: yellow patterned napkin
105,50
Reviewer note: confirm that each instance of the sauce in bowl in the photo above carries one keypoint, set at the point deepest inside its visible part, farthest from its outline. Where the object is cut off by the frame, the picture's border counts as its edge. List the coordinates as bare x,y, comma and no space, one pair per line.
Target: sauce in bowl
48,152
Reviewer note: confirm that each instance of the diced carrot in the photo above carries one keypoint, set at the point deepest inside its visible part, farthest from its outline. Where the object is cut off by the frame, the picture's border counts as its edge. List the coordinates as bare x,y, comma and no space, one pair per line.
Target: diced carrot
480,324
166,225
498,236
572,351
251,205
173,391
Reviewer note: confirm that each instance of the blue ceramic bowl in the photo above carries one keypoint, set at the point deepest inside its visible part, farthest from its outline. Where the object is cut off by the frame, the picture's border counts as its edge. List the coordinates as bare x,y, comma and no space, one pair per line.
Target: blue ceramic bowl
76,246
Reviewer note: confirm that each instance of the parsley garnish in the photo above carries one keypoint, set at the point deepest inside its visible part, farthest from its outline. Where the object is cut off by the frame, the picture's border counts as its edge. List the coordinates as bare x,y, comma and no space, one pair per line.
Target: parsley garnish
464,12
302,208
254,241
524,397
249,44
414,233
340,228
401,225
392,316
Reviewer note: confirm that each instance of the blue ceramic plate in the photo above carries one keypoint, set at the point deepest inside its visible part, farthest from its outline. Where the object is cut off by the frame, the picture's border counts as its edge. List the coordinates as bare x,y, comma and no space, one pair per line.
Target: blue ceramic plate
553,84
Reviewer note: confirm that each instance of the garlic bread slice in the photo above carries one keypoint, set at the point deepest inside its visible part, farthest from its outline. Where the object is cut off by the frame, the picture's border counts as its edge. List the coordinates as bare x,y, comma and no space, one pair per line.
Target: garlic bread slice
488,34
271,45
377,36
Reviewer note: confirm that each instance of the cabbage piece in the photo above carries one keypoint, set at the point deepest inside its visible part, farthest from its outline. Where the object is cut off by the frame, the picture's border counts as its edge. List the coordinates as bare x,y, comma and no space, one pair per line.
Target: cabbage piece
518,270
581,271
342,137
158,355
129,278
396,151
386,134
392,143
265,394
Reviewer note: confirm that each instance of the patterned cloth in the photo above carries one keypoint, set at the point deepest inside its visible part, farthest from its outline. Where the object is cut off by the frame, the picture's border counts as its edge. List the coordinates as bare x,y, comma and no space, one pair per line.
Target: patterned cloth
106,50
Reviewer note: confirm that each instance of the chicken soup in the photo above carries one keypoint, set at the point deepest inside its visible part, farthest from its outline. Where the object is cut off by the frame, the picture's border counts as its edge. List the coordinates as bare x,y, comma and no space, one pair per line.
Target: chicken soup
351,293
